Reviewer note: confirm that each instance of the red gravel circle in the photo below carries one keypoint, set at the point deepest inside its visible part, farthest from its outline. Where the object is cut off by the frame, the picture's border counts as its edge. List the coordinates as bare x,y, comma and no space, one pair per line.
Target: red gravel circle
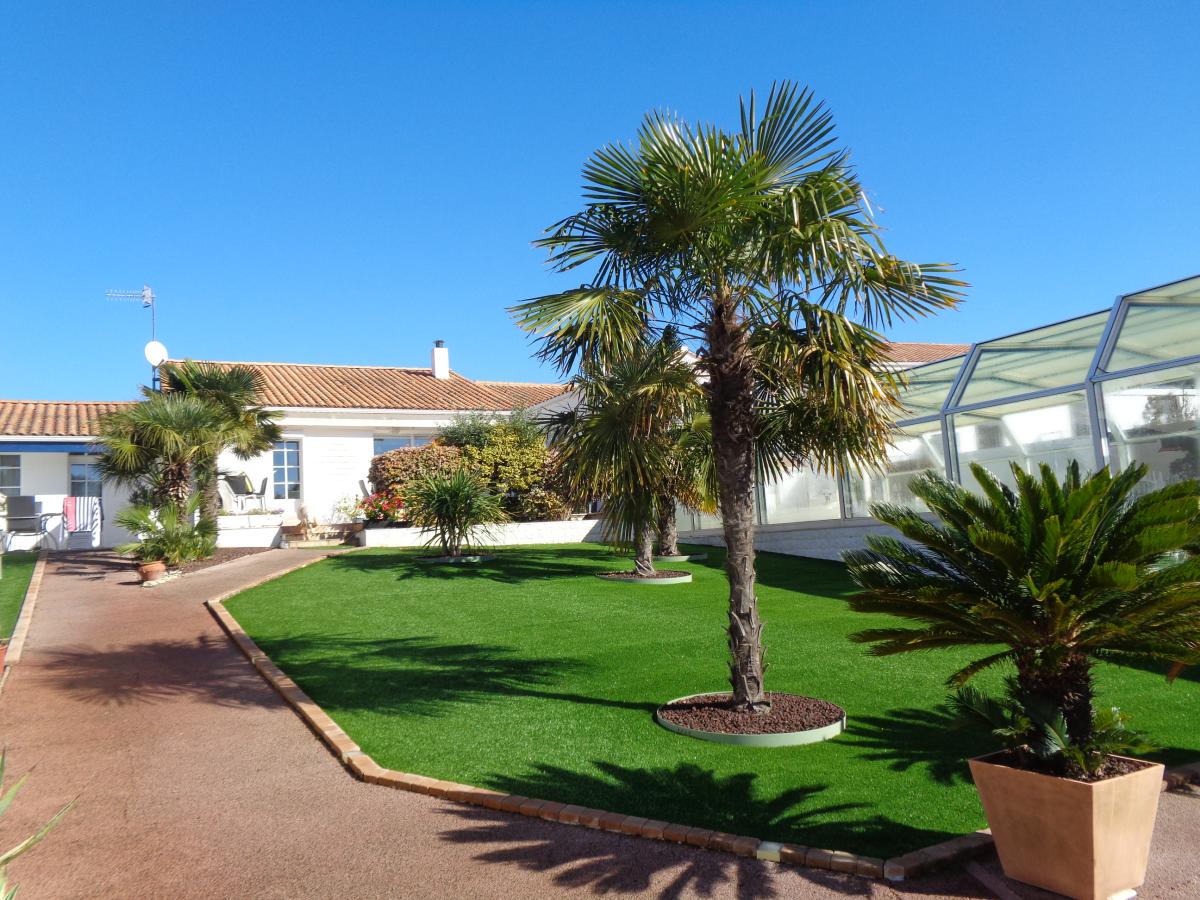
634,576
788,713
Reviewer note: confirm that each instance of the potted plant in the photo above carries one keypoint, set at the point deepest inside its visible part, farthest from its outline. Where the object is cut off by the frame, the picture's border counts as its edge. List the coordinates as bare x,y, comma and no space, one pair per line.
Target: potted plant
167,536
1049,578
456,508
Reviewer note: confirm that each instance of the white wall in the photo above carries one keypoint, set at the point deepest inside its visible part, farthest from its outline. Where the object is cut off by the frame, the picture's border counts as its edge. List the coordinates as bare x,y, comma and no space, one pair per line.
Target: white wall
820,540
509,534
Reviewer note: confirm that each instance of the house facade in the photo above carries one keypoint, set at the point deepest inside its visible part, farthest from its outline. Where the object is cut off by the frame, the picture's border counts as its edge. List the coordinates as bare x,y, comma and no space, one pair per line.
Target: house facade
334,418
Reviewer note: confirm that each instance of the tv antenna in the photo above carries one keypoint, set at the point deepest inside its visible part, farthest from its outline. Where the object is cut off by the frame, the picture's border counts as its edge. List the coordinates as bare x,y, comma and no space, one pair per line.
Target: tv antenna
156,353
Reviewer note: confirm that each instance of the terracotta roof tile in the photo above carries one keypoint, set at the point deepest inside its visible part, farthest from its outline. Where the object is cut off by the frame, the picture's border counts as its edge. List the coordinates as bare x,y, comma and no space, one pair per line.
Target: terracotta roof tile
903,352
379,387
53,418
522,393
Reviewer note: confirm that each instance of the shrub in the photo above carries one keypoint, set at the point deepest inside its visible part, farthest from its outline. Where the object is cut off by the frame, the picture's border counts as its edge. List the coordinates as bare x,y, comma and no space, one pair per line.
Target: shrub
1047,578
381,506
520,470
391,471
455,507
165,533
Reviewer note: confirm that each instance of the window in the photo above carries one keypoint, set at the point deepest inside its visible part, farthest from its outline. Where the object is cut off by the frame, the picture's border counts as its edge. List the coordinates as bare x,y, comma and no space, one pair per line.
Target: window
386,443
85,479
1154,418
286,462
10,474
915,449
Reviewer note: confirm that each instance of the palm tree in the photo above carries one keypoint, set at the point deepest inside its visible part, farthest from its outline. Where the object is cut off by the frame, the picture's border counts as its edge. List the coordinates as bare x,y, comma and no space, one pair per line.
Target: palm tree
156,445
620,442
1057,573
455,507
246,427
757,245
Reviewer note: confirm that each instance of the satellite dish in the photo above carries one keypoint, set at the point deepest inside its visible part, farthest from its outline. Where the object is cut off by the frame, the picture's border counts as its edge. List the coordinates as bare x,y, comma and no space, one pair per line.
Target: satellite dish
156,353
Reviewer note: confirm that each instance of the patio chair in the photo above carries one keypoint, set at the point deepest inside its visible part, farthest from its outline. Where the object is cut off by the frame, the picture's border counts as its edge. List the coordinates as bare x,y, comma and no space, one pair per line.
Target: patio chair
24,518
83,520
230,501
243,488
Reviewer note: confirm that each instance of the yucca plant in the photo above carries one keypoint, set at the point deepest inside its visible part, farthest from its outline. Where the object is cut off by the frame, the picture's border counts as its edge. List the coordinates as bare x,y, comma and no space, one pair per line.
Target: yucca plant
168,533
457,508
7,856
1049,578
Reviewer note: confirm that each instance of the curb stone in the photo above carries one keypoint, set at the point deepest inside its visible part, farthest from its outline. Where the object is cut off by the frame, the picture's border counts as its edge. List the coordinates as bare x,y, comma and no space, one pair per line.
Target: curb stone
366,769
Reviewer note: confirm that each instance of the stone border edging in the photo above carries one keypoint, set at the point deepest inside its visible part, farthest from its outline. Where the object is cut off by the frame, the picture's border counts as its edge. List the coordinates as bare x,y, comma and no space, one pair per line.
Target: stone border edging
624,578
756,739
363,767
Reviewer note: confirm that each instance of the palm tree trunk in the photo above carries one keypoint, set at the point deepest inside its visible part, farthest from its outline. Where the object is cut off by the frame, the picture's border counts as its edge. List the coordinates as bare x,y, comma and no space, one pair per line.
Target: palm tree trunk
731,400
643,542
668,532
176,484
210,498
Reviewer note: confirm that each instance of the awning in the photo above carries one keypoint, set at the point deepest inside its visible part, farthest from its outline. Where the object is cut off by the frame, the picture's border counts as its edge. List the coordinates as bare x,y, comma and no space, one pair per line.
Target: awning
45,447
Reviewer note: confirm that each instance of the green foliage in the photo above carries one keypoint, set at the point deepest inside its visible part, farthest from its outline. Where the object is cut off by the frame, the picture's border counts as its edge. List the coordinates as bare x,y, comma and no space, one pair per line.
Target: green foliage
457,508
1056,573
6,857
475,429
391,472
167,533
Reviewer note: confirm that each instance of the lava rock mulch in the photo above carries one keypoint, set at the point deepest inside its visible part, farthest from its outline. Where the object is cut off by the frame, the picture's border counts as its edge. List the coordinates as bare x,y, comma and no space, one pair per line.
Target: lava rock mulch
222,555
634,576
788,713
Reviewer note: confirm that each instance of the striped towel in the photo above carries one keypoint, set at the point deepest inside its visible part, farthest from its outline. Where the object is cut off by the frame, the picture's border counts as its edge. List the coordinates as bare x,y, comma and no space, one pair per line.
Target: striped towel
81,514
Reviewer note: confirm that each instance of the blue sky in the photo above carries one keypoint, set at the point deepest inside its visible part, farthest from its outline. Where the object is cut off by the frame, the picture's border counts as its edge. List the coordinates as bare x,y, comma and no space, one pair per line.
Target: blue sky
345,183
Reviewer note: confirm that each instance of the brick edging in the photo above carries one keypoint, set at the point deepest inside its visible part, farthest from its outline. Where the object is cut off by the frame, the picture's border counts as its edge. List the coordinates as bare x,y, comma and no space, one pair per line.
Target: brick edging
363,767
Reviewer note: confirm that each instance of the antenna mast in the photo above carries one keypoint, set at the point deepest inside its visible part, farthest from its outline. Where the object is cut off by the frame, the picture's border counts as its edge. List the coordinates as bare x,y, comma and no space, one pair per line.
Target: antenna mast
146,295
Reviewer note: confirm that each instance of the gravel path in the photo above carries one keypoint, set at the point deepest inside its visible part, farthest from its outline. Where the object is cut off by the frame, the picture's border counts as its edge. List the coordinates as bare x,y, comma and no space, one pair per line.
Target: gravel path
195,780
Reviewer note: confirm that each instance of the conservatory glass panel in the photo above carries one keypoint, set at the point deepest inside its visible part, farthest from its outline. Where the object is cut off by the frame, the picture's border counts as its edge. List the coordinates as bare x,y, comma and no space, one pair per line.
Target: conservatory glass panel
928,387
1155,333
915,449
803,495
1154,418
1052,430
1055,356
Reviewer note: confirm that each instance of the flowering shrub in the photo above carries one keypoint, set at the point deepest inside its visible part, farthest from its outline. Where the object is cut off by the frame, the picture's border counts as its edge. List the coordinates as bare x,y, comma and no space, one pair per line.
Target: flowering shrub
382,506
391,471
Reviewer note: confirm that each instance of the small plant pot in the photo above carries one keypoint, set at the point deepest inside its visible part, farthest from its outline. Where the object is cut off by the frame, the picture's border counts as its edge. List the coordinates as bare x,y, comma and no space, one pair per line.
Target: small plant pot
151,571
1087,840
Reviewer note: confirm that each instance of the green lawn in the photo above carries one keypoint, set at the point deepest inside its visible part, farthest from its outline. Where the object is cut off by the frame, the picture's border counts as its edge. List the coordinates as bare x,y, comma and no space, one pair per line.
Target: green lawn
528,675
18,569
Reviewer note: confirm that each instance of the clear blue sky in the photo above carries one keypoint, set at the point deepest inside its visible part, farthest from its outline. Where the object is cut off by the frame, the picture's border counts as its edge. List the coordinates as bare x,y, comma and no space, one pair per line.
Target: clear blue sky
347,182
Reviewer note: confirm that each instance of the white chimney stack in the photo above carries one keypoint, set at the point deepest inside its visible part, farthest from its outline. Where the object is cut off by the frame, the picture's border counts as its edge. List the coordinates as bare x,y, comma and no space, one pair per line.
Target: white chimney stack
440,364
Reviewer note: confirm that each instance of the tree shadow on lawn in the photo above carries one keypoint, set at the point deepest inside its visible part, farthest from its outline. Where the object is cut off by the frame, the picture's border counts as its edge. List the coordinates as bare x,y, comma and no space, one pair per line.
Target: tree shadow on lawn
510,565
687,795
933,739
207,668
419,676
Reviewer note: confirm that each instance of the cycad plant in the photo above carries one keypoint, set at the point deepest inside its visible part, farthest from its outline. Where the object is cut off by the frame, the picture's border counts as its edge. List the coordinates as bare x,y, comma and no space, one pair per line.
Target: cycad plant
243,425
7,856
621,442
756,243
1048,577
168,533
457,508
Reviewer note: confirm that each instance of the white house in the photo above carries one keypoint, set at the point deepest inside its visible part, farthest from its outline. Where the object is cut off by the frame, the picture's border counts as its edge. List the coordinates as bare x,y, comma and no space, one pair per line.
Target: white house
334,418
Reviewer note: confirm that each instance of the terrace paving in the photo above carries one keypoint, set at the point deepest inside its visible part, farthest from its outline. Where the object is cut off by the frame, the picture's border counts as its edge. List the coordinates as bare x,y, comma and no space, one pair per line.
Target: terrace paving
196,780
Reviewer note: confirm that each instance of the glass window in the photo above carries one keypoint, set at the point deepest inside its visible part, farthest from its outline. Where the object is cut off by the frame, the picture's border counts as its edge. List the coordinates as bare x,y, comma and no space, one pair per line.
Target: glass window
1052,430
85,479
803,495
385,443
286,474
1154,419
928,386
1056,356
10,474
1156,333
916,448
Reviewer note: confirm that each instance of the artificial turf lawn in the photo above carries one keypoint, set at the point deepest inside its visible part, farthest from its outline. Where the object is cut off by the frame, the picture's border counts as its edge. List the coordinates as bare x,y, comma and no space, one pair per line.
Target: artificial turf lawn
18,569
528,675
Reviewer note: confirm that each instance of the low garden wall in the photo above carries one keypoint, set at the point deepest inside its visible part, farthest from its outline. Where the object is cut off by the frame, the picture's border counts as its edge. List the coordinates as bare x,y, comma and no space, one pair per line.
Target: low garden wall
509,534
818,540
249,530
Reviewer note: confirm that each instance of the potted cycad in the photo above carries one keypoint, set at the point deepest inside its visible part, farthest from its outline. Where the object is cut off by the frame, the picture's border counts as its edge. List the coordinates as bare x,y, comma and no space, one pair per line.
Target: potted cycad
167,536
1047,578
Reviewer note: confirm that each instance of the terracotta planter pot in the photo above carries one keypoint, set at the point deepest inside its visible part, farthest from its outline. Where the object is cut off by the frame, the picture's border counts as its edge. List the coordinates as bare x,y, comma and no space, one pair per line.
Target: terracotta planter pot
1084,840
152,571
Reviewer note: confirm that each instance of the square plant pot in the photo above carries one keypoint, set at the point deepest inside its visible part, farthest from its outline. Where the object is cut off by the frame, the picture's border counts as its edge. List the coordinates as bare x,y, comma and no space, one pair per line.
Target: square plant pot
1087,840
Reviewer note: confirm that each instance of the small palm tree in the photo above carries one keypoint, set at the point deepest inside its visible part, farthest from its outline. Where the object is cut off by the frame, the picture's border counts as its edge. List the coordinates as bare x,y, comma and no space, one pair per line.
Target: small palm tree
756,244
457,507
245,426
1048,577
168,533
621,442
157,444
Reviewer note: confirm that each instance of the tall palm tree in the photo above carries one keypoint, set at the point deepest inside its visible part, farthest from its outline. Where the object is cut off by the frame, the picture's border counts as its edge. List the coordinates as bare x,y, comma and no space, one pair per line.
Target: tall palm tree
1048,578
246,427
620,441
157,444
757,244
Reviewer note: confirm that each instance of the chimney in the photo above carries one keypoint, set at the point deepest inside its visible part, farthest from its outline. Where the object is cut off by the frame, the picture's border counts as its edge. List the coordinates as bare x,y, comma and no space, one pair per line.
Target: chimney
440,362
